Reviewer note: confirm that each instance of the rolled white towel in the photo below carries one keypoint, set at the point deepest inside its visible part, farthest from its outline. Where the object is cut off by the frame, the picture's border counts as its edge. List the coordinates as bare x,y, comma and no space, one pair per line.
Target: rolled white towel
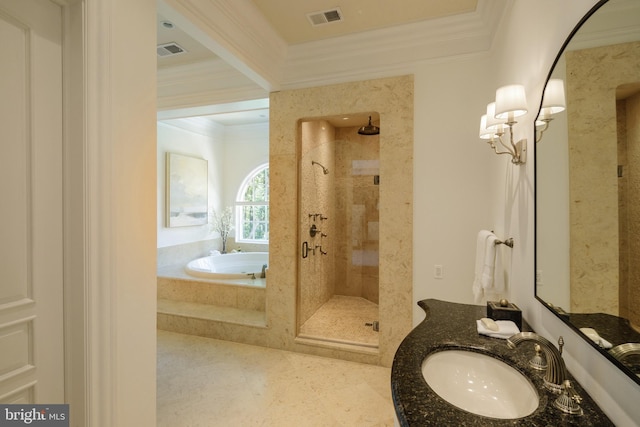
506,329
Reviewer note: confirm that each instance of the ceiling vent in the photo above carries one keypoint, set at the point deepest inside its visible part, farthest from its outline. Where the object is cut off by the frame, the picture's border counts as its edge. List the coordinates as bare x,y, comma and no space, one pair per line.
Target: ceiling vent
170,49
325,17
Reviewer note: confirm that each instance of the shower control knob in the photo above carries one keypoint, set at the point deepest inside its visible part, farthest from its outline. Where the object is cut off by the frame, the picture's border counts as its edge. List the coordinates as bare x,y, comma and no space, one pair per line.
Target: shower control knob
314,230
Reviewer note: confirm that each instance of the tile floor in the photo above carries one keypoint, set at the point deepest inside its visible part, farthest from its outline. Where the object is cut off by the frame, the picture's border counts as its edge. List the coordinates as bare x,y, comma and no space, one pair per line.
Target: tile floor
207,382
343,319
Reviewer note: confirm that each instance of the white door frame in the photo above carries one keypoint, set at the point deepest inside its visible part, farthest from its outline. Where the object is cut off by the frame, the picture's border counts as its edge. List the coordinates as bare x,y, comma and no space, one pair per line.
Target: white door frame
110,203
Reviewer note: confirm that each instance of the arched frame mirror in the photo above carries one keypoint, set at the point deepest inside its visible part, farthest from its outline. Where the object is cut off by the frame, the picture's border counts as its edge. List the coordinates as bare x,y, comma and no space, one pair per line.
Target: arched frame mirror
588,186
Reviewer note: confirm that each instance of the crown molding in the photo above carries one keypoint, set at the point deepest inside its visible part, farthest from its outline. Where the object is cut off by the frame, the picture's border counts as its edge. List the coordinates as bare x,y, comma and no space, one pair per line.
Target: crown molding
394,49
209,109
212,97
242,36
200,125
236,31
625,30
204,83
201,71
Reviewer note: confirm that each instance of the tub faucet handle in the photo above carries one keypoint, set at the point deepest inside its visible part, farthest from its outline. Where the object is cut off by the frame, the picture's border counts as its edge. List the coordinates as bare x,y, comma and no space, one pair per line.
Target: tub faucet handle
569,400
560,344
314,230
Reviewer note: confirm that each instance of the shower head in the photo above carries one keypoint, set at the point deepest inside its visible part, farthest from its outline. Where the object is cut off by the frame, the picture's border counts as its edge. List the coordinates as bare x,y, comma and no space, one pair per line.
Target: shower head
324,170
369,129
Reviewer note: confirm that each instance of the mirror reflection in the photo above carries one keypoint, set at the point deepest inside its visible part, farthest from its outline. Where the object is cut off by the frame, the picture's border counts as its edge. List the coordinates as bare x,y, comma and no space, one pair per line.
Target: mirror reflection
588,187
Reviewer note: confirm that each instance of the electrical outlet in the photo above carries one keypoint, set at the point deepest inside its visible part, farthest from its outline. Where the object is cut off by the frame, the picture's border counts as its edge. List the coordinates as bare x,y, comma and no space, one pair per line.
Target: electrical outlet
438,271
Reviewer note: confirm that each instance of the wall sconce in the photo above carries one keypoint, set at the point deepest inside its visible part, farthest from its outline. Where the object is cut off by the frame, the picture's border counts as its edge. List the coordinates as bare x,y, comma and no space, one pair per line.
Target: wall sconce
511,102
553,102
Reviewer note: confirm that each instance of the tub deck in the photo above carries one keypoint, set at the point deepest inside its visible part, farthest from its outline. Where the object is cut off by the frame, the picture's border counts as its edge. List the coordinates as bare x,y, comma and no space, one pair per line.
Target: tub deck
177,272
189,304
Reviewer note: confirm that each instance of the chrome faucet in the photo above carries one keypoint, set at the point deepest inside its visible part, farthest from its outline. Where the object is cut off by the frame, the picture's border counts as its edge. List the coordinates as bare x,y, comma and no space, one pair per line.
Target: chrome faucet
621,351
264,271
556,373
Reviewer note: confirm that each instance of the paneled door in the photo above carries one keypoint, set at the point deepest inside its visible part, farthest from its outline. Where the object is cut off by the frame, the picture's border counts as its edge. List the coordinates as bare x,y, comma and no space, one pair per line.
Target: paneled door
31,282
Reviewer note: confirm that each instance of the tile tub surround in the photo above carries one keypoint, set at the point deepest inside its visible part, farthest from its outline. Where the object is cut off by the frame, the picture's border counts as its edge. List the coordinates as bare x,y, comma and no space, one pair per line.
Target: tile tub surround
242,295
199,306
452,325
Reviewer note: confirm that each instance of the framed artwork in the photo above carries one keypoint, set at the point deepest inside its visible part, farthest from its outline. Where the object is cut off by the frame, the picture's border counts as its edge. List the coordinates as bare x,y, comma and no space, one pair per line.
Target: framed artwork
187,191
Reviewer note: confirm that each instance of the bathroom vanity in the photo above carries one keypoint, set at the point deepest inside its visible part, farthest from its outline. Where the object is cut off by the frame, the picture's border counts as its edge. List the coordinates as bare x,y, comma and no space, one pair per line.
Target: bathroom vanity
451,326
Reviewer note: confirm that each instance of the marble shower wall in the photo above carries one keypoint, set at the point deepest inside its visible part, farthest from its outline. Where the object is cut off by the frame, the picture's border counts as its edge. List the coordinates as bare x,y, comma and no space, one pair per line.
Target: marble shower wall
392,98
593,156
317,200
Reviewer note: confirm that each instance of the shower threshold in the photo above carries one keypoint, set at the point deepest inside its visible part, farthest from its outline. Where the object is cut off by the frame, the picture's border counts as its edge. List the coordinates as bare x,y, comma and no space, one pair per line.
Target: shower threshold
343,320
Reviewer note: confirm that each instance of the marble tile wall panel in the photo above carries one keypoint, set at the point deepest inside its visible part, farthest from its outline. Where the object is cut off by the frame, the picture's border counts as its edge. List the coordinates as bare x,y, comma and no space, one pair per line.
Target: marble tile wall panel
633,209
317,196
244,297
623,196
594,234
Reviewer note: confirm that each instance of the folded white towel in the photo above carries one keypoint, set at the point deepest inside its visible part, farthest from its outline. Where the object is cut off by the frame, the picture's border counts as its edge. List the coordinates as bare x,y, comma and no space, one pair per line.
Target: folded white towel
596,338
485,264
506,329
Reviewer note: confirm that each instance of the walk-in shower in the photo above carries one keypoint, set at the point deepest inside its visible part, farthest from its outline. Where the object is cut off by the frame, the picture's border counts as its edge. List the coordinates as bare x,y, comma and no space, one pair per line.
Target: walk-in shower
338,230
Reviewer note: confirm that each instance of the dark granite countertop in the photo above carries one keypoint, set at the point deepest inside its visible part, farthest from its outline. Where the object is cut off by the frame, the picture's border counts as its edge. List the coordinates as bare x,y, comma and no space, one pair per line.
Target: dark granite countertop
616,330
449,326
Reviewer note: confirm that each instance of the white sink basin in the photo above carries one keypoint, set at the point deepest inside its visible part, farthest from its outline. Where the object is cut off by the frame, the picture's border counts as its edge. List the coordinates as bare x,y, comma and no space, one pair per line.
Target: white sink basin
480,384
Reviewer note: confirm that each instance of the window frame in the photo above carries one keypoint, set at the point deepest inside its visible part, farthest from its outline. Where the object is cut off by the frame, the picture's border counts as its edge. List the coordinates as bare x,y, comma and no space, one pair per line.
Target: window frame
240,204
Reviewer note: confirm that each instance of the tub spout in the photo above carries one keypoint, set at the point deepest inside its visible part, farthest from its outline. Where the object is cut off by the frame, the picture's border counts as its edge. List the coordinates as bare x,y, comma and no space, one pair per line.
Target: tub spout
264,271
556,370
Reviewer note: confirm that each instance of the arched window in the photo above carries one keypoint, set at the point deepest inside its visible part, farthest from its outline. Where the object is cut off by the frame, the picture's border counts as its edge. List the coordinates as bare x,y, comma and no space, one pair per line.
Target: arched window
252,207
